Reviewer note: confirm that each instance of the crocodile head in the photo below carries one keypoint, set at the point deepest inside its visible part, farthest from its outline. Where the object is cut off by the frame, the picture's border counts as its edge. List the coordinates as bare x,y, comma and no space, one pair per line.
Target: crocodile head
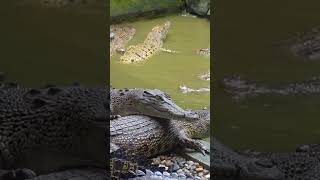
161,30
154,102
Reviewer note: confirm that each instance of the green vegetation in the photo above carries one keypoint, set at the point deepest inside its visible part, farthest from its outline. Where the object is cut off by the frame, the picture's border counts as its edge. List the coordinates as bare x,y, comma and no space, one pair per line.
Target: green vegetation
130,7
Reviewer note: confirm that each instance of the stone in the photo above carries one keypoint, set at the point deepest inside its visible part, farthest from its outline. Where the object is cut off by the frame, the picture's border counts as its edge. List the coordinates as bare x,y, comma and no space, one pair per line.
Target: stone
175,167
158,173
148,172
199,7
166,174
199,169
190,162
140,173
174,175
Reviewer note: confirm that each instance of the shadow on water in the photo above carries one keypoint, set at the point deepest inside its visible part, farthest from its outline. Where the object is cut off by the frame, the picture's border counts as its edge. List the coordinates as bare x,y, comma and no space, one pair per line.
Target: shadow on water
245,38
52,45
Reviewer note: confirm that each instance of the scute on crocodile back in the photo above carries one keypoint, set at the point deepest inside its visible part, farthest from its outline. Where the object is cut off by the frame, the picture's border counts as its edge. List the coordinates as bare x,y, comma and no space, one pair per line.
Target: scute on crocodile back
54,118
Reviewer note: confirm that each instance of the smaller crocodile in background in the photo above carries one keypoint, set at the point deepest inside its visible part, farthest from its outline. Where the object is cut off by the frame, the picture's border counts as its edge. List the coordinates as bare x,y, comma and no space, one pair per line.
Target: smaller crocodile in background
121,35
240,88
151,45
203,51
304,44
206,77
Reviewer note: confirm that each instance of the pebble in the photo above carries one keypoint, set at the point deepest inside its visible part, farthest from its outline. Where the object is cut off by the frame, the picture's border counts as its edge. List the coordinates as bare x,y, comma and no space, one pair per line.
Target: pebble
174,175
199,169
158,173
176,167
140,173
166,174
148,172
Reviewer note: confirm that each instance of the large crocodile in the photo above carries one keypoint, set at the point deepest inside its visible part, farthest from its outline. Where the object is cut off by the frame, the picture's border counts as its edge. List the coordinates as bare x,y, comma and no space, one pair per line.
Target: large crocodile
139,137
228,164
122,34
240,88
148,136
47,129
151,45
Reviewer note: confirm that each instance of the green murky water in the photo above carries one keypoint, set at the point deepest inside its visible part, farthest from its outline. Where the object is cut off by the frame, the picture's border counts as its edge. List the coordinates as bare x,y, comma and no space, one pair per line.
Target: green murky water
245,34
56,46
168,71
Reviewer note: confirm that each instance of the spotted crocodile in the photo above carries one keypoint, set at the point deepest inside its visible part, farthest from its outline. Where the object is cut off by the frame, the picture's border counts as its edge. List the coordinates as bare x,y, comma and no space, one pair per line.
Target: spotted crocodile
151,45
122,34
47,129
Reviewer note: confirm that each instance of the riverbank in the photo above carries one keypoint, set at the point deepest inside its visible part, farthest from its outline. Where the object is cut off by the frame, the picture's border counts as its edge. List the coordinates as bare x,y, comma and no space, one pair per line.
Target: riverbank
127,10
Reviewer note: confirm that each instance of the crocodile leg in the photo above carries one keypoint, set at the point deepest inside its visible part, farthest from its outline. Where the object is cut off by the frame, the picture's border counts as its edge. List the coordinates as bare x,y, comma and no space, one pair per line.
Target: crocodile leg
185,141
169,50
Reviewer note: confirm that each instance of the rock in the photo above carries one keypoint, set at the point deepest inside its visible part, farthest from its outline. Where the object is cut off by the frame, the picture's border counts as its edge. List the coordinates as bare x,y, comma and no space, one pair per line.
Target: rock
199,7
205,172
199,169
166,174
148,172
175,167
179,171
190,163
174,175
140,173
158,173
182,175
169,163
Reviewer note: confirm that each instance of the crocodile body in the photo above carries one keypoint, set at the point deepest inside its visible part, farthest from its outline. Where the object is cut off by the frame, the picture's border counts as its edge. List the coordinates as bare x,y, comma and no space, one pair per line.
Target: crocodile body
240,88
151,45
149,136
149,102
228,164
304,44
136,138
121,36
46,129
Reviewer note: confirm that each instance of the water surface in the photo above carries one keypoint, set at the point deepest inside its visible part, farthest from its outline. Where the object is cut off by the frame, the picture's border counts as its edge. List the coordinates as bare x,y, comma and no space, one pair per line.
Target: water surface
246,35
56,45
168,71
